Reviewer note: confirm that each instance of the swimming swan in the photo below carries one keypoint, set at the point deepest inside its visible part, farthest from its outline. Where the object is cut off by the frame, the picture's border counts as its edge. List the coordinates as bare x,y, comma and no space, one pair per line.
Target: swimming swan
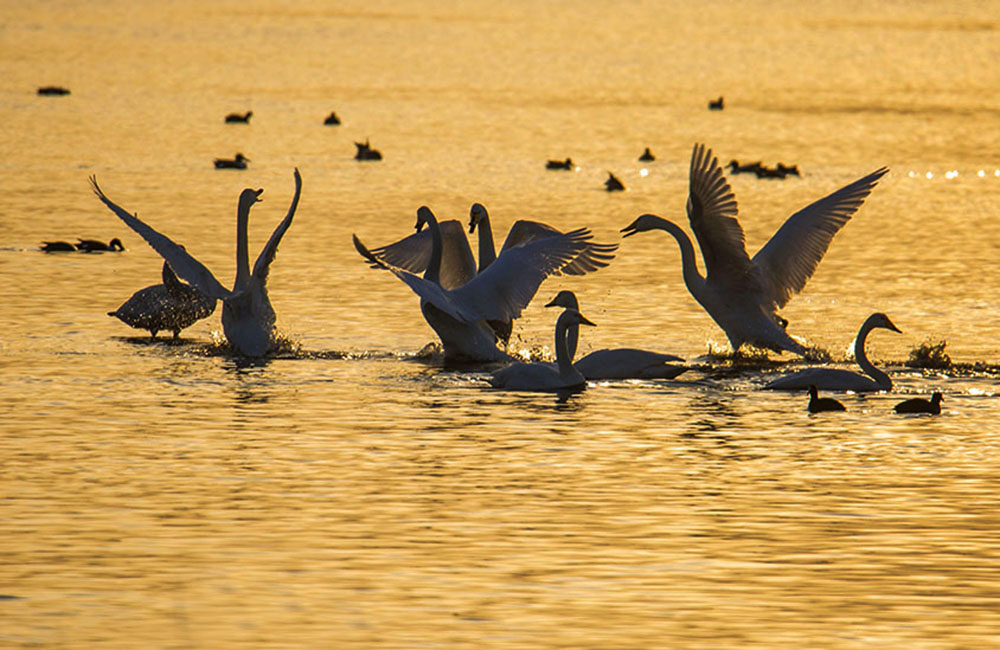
544,376
247,315
743,294
838,379
618,363
171,305
459,315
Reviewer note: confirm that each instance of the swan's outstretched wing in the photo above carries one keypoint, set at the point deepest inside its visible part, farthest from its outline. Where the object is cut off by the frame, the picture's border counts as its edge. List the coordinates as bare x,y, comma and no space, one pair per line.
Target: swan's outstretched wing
788,260
508,284
263,264
593,257
413,253
183,264
712,210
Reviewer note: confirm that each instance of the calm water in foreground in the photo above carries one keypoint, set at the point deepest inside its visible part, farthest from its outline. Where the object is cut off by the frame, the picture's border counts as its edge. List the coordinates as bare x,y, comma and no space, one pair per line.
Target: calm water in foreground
345,494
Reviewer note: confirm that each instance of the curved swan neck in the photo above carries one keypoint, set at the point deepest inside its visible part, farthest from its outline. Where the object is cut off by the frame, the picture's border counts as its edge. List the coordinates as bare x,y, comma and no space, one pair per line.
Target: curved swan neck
242,245
433,272
487,249
692,278
563,357
572,339
861,357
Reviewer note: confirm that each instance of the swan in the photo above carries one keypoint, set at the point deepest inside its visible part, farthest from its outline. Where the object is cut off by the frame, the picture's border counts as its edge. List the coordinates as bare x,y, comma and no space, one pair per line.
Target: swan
743,294
171,305
239,118
459,315
618,363
544,376
819,404
238,162
917,405
838,379
247,315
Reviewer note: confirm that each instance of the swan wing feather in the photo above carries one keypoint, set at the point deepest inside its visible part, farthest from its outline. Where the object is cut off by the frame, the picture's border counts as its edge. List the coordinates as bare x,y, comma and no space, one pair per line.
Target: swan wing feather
262,266
413,253
593,257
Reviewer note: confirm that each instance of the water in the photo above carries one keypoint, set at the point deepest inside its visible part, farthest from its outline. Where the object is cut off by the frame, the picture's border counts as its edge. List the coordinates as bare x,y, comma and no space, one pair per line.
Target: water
165,495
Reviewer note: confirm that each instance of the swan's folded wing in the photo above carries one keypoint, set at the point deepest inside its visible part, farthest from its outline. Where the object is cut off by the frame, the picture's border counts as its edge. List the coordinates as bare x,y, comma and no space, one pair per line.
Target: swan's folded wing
712,211
790,257
508,284
263,264
593,257
413,253
183,264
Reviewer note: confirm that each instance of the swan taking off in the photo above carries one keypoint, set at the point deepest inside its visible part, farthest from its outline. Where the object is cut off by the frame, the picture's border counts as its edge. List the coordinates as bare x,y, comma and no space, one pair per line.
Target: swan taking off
837,379
459,314
740,293
247,315
618,363
545,376
172,305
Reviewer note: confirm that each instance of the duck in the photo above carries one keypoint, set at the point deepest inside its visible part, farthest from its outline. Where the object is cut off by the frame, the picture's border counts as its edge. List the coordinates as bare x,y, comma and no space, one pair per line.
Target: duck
617,363
546,377
247,315
716,104
53,91
842,380
58,247
560,164
740,293
239,118
647,156
918,405
613,184
238,162
172,305
460,316
95,246
736,168
365,152
819,404
332,120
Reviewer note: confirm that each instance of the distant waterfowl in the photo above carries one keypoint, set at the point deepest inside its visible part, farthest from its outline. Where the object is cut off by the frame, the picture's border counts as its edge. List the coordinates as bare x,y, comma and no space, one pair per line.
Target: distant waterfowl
239,162
716,104
170,306
560,164
647,156
838,379
332,120
736,168
247,315
763,171
618,363
788,170
239,118
365,152
58,247
819,404
459,316
544,376
53,90
917,405
743,294
94,246
613,184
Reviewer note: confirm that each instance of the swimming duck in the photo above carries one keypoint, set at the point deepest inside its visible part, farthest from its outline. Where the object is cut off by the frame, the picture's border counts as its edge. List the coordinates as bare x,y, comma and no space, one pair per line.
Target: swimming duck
647,156
53,90
365,152
239,162
917,405
819,404
331,120
715,104
239,118
613,184
94,246
560,164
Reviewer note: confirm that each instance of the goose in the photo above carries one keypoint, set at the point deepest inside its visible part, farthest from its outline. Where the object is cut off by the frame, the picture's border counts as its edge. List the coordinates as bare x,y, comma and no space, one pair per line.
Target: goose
459,315
239,118
365,152
247,315
171,305
238,162
740,293
613,184
618,363
560,164
819,404
917,405
647,156
544,376
838,379
94,246
332,120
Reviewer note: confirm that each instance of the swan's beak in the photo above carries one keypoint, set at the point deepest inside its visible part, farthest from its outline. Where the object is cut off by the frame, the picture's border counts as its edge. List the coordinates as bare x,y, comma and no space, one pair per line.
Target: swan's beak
258,193
553,303
472,225
584,321
629,230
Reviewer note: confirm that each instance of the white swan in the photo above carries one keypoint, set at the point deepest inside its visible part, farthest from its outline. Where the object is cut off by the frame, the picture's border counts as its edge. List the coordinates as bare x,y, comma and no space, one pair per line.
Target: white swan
247,315
459,315
546,376
618,363
837,379
743,294
171,305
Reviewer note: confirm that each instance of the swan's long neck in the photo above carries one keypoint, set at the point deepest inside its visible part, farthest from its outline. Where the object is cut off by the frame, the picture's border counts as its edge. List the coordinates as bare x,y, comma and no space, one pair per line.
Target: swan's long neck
487,249
242,246
880,377
433,272
692,278
563,357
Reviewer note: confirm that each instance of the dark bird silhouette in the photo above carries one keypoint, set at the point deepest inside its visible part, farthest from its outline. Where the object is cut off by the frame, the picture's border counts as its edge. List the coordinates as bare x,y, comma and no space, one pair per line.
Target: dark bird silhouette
172,306
715,104
819,404
53,90
917,405
560,164
58,247
237,118
94,246
365,152
613,184
239,162
332,119
736,168
647,156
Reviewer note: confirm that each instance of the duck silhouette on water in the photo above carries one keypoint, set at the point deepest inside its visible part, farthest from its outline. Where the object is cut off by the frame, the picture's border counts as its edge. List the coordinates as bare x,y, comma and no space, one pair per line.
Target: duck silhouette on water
332,120
365,151
83,246
918,405
613,184
239,118
238,162
560,164
819,404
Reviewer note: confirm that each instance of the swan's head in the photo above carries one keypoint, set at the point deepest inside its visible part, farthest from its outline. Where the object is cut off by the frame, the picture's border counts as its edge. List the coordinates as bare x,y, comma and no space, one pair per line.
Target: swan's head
116,245
477,213
424,217
565,298
574,317
881,320
248,197
642,224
